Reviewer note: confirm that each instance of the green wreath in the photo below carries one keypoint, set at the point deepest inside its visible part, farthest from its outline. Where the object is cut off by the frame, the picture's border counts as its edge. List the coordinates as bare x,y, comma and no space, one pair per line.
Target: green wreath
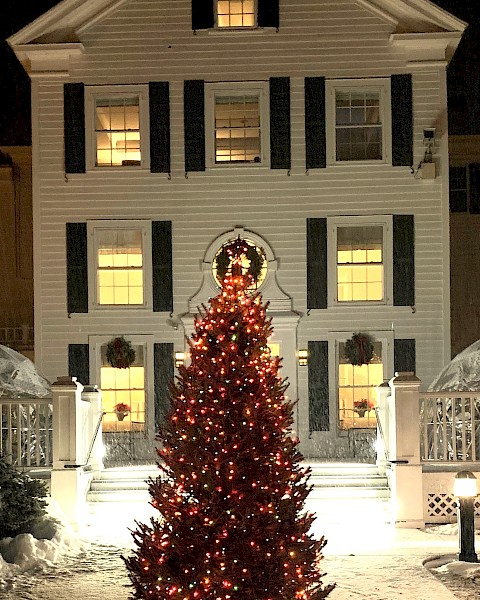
120,353
359,349
236,248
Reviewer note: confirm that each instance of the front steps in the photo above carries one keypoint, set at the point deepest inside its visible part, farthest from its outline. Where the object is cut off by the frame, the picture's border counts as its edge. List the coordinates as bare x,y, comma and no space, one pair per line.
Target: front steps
342,492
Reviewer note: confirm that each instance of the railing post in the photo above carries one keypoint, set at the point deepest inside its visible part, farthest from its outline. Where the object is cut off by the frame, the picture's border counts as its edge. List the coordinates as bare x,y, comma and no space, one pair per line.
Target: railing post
70,480
383,392
404,451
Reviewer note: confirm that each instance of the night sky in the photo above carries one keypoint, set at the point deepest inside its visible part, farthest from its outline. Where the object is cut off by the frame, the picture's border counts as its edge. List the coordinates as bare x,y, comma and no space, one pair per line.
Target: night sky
463,77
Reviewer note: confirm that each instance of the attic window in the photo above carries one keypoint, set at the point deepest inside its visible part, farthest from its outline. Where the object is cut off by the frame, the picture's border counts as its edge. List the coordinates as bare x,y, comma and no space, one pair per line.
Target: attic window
235,13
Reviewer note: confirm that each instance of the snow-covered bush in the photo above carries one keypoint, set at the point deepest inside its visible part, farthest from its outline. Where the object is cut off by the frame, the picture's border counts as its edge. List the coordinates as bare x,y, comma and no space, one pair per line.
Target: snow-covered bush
22,501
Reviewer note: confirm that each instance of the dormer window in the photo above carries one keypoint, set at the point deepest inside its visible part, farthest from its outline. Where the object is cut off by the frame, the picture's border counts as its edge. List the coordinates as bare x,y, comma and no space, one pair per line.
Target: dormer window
235,13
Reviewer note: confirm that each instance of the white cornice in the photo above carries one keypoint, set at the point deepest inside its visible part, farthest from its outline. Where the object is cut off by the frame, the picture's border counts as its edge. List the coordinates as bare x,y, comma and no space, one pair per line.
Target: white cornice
427,47
48,59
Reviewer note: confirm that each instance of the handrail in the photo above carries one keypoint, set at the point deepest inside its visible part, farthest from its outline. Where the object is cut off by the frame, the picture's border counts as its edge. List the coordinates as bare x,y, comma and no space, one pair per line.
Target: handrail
92,443
382,435
449,394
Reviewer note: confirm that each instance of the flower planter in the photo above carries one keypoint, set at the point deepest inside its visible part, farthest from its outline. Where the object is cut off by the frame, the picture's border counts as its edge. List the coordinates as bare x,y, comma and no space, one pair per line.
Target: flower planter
121,415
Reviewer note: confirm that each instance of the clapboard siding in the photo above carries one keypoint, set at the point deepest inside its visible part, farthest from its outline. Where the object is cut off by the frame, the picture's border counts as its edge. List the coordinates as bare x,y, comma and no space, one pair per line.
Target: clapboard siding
315,39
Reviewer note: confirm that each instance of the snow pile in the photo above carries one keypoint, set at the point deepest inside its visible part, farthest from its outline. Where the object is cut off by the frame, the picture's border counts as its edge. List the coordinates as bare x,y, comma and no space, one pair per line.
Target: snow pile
18,376
462,374
52,539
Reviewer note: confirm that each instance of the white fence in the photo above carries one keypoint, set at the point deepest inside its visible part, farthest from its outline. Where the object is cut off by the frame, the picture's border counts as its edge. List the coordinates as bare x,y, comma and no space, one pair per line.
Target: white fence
450,427
26,431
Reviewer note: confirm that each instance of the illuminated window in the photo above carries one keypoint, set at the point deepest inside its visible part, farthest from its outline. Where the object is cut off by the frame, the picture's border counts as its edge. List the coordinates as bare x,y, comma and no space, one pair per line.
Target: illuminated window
360,260
237,128
120,255
235,13
358,122
119,121
360,264
123,386
357,389
117,131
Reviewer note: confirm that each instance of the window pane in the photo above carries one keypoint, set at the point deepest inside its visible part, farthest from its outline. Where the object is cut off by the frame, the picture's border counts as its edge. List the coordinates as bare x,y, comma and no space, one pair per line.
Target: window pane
360,275
235,13
237,129
357,389
120,259
358,125
117,126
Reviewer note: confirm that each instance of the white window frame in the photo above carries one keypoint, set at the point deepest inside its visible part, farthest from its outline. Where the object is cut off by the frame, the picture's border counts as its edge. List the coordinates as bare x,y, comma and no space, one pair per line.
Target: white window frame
384,221
237,89
96,342
93,229
236,27
382,85
118,91
386,338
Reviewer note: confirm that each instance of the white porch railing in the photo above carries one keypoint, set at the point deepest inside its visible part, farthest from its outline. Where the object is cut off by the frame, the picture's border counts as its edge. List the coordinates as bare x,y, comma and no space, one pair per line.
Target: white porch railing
450,426
26,431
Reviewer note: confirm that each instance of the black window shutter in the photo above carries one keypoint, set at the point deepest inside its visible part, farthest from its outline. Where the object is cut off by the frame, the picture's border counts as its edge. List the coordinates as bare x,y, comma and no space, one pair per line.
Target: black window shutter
402,120
316,263
404,358
474,188
280,156
202,14
194,123
77,270
268,13
318,393
159,100
74,127
162,274
403,260
315,140
163,368
78,362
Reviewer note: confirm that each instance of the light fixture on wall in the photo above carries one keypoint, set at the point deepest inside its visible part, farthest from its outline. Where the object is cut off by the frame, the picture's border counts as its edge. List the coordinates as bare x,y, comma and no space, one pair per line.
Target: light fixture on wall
302,358
465,488
179,359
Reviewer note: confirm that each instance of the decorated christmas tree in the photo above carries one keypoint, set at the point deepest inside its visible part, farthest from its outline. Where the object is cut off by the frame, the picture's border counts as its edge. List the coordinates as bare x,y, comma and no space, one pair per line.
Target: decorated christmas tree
231,492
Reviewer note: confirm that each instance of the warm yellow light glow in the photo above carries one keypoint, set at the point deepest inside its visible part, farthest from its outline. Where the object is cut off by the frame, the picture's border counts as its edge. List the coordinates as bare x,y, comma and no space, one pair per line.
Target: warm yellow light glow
117,127
128,387
235,13
237,128
303,358
120,267
179,359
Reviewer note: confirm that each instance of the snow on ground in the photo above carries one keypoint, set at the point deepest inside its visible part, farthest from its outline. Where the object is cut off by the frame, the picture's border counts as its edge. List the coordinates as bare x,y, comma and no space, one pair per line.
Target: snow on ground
369,560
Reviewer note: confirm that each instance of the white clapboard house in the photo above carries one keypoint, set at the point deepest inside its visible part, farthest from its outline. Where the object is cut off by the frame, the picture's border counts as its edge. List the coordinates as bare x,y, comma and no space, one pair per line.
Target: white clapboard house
316,130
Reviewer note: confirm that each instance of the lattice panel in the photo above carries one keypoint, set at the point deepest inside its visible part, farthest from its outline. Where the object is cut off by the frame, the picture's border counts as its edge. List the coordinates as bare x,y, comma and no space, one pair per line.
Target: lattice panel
445,506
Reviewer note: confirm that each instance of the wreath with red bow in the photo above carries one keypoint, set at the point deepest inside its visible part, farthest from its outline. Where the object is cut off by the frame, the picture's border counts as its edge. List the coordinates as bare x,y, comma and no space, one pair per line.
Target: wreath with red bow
359,349
120,353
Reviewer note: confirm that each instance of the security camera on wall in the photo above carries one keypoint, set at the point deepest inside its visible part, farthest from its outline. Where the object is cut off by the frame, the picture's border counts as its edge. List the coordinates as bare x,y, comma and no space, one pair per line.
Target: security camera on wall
429,135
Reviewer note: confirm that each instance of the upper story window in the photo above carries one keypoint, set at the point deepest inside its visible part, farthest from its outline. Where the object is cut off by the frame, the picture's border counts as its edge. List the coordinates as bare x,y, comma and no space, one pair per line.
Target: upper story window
363,259
358,121
118,132
237,124
235,13
118,253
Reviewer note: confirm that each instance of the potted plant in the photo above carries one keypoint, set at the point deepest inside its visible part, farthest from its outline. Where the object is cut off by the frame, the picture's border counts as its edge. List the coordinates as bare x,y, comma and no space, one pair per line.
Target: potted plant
359,349
121,410
362,406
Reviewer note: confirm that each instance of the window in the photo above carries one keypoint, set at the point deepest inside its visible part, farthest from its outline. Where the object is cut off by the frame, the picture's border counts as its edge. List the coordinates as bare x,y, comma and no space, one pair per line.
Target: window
458,189
123,386
235,13
237,130
118,254
118,132
357,396
358,120
362,248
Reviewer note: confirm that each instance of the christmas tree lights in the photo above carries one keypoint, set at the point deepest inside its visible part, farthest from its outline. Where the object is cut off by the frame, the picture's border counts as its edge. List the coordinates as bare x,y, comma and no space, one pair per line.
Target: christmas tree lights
231,491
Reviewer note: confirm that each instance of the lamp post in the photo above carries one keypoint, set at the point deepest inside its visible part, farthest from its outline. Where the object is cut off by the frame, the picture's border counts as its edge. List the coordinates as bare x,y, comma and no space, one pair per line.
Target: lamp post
465,488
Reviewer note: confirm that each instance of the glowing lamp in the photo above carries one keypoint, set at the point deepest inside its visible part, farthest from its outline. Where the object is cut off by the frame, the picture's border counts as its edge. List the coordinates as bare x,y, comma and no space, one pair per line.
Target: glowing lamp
465,488
302,358
465,485
179,359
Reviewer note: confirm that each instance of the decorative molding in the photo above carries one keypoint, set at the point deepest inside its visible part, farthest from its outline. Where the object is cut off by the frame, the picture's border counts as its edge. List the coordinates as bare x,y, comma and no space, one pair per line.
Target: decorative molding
48,60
